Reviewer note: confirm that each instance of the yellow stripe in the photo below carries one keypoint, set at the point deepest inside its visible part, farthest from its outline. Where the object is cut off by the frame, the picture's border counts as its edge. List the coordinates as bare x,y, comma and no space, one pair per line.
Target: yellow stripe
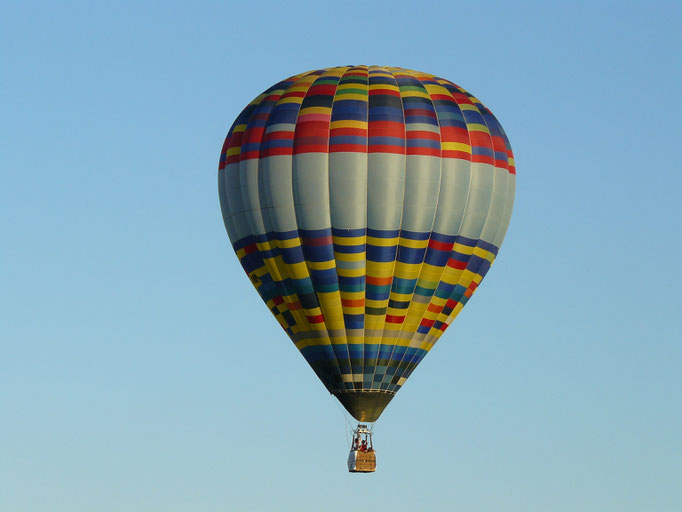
467,106
351,272
456,146
382,242
482,253
352,85
344,256
463,249
348,124
298,270
291,242
437,89
290,99
413,244
350,96
322,265
389,87
379,268
475,127
414,94
315,110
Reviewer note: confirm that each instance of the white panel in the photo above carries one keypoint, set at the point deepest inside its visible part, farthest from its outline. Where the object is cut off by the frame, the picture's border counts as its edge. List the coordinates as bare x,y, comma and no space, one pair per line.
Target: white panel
277,195
509,205
248,174
385,190
454,192
480,194
498,203
234,201
348,190
224,207
311,190
422,184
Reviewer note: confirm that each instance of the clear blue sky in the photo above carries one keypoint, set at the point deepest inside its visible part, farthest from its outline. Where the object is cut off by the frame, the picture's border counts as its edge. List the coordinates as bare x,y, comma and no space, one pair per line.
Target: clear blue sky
129,379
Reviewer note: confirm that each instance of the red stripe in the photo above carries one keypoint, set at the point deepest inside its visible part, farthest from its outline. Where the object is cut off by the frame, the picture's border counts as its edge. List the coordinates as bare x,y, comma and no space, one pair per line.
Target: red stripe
278,135
249,155
434,308
462,155
322,90
294,94
454,134
379,281
462,98
352,303
440,246
253,134
310,148
423,151
379,92
501,164
392,319
417,134
317,319
481,139
251,248
278,151
358,132
379,148
386,129
459,265
323,240
419,112
483,159
427,323
442,97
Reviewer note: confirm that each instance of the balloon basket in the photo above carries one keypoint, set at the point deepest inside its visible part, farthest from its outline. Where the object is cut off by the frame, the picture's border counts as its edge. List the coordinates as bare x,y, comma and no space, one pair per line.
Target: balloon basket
362,457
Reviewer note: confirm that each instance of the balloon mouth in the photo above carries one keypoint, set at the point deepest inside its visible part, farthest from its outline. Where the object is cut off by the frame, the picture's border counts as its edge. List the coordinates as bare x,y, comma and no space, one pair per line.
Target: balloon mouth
364,405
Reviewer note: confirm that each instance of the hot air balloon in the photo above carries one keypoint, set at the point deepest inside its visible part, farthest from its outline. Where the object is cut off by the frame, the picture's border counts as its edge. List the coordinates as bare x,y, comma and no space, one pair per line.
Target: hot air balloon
366,204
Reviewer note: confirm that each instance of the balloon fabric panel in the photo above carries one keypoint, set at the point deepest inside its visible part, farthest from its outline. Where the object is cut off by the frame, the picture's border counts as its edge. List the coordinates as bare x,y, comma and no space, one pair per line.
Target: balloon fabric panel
366,204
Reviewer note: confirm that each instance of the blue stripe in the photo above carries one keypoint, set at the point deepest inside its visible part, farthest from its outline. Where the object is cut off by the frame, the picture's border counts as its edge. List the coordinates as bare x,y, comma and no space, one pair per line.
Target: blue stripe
348,232
318,253
349,249
436,257
354,321
381,253
423,143
386,141
383,233
481,150
415,235
378,292
401,285
347,139
410,255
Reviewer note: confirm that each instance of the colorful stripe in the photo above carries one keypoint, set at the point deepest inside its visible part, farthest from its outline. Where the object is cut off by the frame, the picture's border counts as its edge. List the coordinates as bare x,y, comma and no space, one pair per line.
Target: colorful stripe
366,205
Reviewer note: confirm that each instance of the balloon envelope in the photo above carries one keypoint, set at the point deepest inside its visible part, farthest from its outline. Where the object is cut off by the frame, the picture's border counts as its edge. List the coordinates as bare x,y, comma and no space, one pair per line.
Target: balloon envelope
366,204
